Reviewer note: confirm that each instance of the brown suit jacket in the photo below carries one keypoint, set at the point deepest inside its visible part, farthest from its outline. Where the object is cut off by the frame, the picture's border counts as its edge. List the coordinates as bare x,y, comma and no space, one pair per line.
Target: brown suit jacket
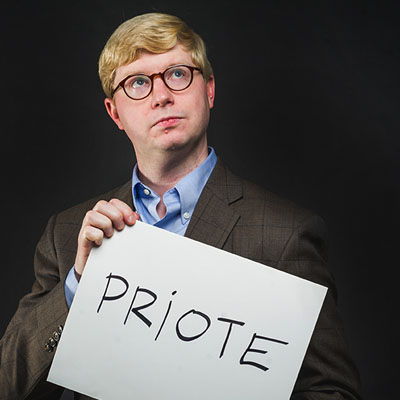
231,214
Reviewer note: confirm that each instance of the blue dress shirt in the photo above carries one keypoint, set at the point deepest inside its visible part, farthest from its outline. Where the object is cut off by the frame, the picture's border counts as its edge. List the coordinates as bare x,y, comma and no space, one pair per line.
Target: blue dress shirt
179,201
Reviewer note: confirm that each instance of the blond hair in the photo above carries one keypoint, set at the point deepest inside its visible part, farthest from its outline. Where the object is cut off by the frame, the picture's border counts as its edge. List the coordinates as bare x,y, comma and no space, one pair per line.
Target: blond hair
154,32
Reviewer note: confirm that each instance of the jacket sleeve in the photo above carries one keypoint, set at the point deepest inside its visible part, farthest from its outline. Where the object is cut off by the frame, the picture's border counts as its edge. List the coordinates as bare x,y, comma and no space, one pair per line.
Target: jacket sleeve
24,360
327,371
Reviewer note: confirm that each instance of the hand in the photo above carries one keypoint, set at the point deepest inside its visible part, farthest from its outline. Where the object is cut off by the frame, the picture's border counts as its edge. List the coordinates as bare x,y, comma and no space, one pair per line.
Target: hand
99,222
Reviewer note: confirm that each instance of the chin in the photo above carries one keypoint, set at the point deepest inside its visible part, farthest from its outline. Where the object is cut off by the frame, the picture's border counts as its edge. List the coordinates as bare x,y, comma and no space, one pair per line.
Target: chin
174,146
180,139
175,141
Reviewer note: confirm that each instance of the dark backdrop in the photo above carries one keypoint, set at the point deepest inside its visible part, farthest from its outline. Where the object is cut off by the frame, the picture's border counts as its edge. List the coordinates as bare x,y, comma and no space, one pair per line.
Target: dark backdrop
306,105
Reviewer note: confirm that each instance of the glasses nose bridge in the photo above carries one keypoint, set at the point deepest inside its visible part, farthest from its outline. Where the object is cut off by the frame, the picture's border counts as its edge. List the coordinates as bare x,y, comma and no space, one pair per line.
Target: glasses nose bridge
161,76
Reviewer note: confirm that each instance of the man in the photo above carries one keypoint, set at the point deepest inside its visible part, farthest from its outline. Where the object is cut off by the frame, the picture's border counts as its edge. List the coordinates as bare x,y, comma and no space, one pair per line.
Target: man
160,89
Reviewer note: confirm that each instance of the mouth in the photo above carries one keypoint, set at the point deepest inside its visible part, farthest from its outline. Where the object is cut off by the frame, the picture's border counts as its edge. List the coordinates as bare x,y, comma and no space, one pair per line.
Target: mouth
167,122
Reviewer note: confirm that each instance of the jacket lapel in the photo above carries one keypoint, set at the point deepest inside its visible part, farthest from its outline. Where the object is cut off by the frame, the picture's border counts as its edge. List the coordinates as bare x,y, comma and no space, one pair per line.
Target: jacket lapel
124,193
213,218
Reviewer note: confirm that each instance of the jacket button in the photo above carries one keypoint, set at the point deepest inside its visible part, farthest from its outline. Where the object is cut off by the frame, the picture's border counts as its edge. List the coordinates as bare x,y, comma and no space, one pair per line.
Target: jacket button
48,348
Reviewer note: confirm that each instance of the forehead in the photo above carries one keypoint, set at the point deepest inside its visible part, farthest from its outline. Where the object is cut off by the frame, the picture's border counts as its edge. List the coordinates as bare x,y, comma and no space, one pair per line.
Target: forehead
149,63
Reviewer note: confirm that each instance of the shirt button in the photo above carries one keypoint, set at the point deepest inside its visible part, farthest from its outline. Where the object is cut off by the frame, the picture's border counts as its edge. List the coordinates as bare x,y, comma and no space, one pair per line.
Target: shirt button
146,191
186,215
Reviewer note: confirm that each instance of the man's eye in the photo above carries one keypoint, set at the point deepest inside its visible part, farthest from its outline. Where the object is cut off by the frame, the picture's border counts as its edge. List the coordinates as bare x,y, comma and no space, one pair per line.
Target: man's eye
178,73
138,83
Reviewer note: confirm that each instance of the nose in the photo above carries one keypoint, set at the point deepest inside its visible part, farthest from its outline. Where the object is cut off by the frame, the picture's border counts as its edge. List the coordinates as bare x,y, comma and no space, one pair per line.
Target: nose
161,95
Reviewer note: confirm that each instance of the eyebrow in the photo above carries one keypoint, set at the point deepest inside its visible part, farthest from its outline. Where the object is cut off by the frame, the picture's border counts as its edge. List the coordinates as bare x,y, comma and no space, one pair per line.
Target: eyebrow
143,73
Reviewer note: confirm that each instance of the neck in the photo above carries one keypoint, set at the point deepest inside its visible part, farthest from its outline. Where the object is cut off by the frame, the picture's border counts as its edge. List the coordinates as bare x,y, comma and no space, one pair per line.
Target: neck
162,172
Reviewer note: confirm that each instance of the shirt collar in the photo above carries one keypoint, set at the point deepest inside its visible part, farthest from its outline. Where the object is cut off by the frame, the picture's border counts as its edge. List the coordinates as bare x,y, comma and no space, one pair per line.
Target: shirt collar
189,187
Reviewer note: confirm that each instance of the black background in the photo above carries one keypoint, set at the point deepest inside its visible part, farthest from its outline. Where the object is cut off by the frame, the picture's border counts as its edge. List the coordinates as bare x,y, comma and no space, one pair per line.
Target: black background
307,105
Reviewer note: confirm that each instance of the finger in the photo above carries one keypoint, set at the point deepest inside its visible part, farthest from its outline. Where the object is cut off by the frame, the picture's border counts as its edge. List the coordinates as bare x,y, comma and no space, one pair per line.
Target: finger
88,237
92,235
112,212
128,214
100,221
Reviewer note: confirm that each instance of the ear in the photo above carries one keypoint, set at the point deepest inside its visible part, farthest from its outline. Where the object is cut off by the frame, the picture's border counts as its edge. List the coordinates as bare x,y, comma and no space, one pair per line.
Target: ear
113,112
210,87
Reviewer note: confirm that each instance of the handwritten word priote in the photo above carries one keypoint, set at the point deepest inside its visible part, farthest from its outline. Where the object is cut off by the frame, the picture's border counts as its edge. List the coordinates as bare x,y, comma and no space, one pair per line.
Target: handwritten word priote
136,310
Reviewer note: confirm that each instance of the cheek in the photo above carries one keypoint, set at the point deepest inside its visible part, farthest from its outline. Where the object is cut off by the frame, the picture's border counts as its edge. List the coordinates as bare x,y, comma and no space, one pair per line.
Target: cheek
133,121
202,110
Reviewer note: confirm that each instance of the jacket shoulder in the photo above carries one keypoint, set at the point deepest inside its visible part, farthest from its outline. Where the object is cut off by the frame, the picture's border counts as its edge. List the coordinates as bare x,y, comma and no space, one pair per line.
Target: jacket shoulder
268,223
257,202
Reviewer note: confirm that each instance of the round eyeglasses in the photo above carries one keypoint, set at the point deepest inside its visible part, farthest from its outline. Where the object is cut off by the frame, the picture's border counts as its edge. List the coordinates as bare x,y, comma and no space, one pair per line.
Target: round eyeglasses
138,86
